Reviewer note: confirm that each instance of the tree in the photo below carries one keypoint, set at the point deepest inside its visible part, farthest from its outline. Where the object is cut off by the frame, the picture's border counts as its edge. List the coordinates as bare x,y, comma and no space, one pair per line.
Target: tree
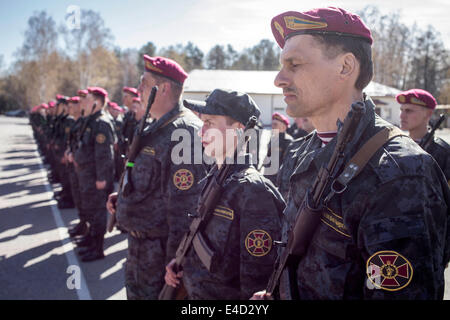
216,58
92,37
193,57
149,49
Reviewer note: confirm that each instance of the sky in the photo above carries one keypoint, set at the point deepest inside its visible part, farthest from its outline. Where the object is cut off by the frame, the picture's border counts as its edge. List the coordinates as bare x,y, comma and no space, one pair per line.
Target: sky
241,23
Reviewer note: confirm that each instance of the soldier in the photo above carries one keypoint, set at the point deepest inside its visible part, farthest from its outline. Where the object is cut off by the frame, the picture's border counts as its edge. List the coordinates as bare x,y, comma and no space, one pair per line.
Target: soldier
94,164
280,123
247,217
72,141
116,112
385,234
296,130
417,106
154,212
62,128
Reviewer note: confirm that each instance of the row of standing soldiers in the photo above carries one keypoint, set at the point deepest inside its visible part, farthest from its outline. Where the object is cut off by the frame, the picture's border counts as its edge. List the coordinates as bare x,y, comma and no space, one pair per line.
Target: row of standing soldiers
72,134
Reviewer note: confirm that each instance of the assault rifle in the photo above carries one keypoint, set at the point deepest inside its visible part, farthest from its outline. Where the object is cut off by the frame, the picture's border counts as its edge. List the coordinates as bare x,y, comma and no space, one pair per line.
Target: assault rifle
310,211
207,202
424,143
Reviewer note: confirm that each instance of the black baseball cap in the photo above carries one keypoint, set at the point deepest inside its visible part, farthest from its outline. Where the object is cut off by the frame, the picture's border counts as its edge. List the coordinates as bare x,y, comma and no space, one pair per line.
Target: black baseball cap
236,105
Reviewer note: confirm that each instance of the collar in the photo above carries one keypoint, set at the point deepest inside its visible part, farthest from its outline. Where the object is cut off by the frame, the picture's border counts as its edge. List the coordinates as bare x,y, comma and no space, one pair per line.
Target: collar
314,153
155,125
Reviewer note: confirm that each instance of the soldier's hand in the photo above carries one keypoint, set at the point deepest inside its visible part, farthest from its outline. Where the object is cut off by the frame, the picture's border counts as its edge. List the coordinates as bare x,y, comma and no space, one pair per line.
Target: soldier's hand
261,295
111,203
172,279
100,185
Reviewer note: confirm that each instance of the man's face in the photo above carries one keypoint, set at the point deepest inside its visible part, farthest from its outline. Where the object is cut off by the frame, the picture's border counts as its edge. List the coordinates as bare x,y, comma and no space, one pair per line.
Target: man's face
413,116
138,110
218,137
127,99
90,100
145,87
308,78
83,104
278,125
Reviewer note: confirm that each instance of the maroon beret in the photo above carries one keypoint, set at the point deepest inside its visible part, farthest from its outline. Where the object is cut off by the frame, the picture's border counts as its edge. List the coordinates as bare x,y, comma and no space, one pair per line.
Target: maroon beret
51,104
82,93
165,67
114,106
278,116
43,105
331,20
138,100
418,97
132,91
98,90
74,99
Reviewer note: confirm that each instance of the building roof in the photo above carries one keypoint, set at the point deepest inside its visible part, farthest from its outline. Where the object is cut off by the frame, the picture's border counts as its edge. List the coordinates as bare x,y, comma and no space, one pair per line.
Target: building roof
256,82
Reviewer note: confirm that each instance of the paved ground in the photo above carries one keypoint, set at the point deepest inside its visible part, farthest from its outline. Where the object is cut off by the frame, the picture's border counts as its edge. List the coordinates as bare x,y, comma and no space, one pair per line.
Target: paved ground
37,258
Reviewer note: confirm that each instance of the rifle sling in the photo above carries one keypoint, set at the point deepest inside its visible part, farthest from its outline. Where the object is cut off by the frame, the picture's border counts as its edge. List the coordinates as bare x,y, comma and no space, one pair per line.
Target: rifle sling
360,159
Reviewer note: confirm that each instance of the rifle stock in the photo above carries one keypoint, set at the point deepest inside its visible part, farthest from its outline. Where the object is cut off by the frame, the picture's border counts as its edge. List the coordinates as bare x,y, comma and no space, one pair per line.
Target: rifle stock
310,211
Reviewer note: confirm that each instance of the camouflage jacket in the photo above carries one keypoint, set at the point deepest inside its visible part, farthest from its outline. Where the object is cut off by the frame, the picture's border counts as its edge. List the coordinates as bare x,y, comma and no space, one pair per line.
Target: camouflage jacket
240,232
386,236
95,149
163,189
440,150
288,167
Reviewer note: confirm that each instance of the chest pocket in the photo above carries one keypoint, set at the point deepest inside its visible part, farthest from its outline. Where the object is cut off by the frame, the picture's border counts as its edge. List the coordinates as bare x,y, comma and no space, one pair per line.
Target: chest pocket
146,173
333,236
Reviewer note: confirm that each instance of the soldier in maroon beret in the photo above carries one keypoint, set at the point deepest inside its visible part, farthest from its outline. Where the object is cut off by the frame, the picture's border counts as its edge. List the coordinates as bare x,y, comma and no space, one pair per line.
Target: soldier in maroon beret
163,190
94,165
416,108
384,232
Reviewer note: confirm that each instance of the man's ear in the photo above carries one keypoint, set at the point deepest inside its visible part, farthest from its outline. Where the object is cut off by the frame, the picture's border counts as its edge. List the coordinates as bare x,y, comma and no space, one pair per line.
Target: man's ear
349,65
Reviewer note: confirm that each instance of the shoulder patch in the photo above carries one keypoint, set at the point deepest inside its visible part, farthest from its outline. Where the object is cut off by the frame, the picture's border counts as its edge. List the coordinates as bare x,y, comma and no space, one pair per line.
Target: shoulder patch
100,138
224,212
183,179
389,270
258,243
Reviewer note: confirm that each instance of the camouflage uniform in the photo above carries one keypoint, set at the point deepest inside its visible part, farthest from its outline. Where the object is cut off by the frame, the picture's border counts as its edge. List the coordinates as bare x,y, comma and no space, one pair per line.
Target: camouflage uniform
239,232
393,216
288,167
284,139
155,212
95,162
440,150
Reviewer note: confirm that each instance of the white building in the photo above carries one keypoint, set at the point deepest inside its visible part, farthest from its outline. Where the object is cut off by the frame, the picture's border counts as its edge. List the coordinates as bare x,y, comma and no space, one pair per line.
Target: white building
260,86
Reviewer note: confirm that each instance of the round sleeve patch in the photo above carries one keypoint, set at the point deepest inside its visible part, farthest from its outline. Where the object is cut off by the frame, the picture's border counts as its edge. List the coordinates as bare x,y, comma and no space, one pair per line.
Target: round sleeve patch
258,243
100,138
389,270
183,179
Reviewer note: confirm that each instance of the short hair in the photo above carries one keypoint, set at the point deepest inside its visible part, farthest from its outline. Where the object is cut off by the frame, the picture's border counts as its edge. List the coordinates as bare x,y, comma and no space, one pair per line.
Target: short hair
176,88
360,48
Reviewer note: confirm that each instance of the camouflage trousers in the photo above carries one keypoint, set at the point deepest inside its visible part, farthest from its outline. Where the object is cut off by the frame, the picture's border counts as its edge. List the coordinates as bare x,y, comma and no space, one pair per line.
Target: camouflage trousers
145,268
93,202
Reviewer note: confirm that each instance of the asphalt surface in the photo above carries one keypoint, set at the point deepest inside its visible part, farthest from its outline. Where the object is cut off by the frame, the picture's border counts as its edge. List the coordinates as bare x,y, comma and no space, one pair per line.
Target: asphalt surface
37,257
